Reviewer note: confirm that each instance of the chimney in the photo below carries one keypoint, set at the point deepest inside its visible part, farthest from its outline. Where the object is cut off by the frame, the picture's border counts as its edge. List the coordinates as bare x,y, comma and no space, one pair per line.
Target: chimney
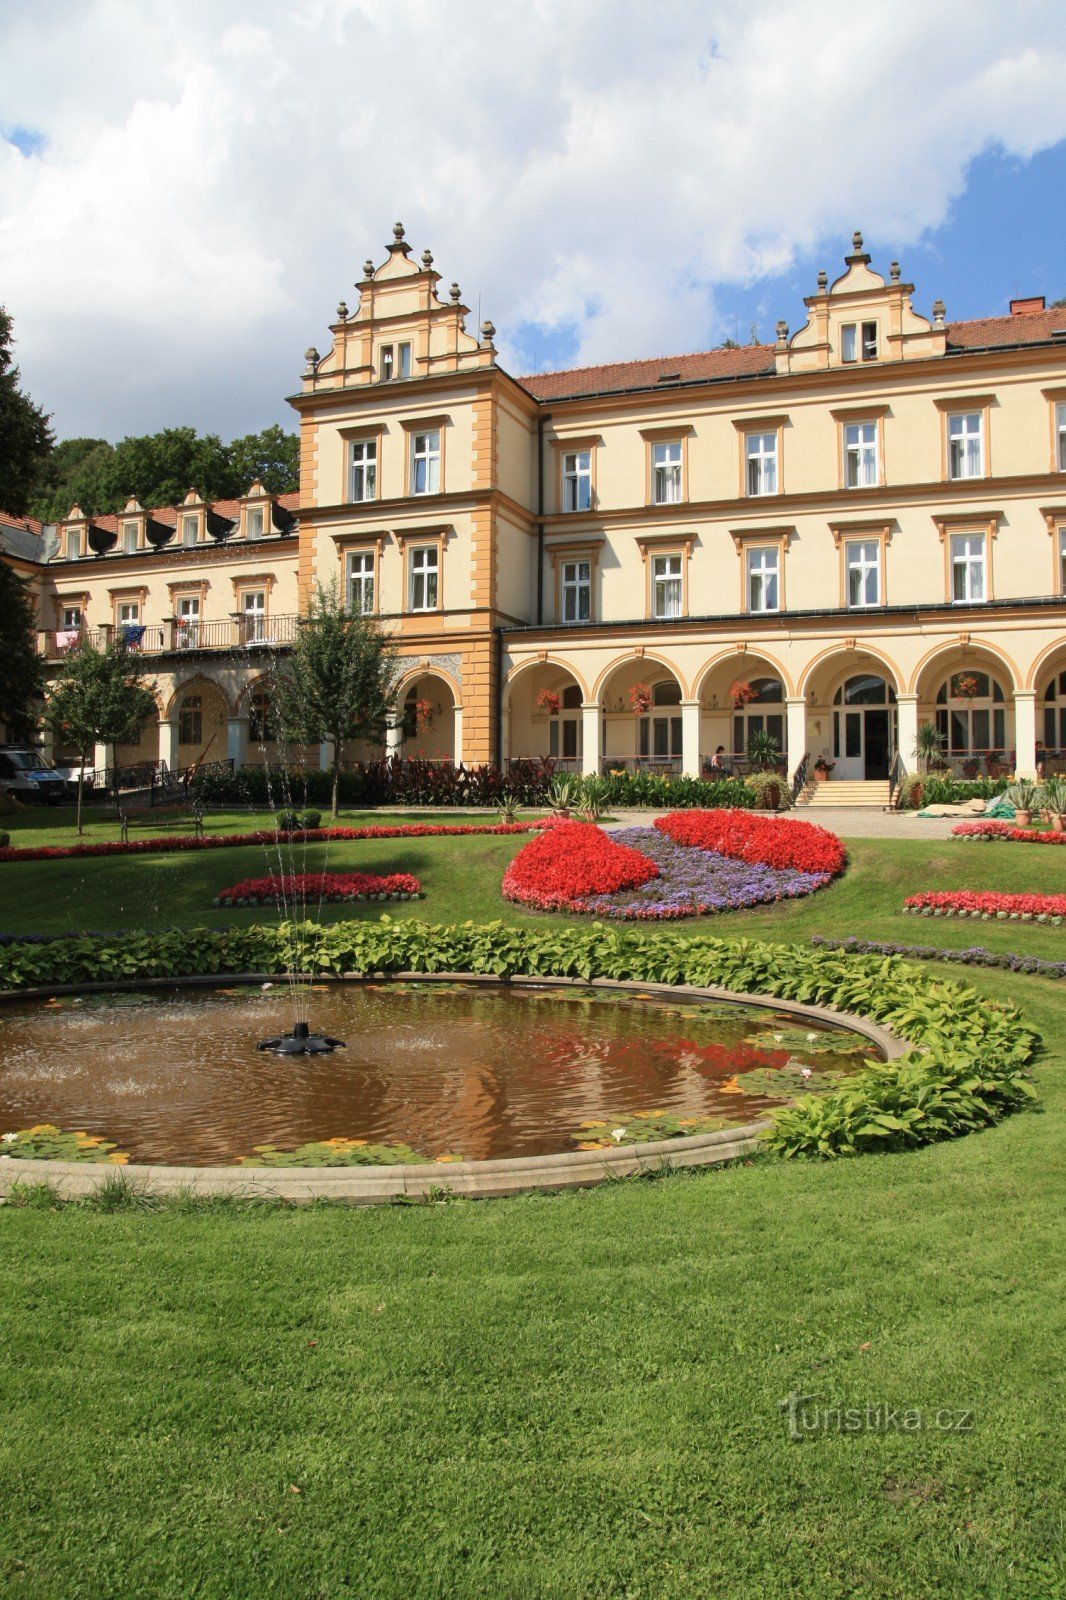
1027,307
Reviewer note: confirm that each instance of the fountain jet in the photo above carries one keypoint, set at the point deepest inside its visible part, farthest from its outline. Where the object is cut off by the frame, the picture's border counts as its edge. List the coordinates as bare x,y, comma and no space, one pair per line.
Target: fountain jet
302,1042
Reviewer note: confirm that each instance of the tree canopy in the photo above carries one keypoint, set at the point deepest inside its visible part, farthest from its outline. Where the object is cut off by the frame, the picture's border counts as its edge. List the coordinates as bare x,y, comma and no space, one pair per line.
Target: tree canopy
20,665
25,435
99,696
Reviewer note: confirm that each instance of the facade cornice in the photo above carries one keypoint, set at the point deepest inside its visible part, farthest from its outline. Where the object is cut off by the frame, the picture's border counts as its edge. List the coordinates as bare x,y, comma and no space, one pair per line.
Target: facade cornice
134,563
418,505
373,396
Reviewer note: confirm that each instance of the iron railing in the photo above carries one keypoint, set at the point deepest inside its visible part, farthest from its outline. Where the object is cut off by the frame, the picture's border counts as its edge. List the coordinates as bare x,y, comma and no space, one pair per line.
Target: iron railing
897,774
801,777
181,637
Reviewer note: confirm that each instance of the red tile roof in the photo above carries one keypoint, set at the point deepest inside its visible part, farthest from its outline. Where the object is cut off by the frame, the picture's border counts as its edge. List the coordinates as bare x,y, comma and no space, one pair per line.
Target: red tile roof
1026,327
168,515
24,524
746,362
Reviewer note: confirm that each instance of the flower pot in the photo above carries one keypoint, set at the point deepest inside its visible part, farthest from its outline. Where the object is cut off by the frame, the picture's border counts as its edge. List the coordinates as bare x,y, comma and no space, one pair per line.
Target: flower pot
1022,819
1058,823
820,775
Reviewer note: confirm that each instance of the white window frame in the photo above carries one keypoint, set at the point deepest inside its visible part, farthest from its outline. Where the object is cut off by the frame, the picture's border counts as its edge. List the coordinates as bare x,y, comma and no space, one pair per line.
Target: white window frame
129,538
860,455
362,470
962,437
576,590
667,585
386,363
862,561
849,342
1060,436
190,528
868,342
255,522
425,462
760,455
253,615
361,585
666,465
969,568
72,619
403,359
763,564
73,544
128,613
577,480
188,620
424,578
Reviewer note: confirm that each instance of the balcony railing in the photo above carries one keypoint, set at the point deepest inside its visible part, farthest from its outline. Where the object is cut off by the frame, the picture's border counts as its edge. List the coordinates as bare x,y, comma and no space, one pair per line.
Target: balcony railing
179,636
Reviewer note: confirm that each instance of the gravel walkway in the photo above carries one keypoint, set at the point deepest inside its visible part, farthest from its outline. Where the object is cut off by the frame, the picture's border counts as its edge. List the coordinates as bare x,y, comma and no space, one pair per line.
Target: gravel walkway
849,822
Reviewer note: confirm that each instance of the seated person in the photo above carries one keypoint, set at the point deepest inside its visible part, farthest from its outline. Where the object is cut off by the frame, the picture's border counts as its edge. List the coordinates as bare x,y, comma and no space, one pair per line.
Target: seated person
717,766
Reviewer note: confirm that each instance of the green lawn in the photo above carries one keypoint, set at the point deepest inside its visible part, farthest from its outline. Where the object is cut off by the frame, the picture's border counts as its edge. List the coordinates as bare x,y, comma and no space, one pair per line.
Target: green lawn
567,1396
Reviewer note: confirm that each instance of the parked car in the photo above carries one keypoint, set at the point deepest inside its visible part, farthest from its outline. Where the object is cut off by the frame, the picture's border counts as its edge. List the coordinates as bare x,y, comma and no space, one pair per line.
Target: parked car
26,775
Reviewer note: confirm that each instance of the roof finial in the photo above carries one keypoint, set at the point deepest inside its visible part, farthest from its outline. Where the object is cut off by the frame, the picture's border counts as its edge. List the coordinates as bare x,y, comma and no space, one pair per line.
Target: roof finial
311,356
342,310
823,280
399,243
397,232
427,259
488,333
455,294
782,332
856,242
893,272
368,268
939,313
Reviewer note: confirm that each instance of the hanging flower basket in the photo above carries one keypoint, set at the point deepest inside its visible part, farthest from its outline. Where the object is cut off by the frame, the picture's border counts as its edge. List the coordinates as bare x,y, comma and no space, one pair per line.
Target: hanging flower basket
549,702
965,686
424,716
640,698
742,694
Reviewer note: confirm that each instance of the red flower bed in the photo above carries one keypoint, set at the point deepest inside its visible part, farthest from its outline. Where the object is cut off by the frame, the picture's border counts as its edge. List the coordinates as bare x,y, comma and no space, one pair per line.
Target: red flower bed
973,903
312,886
1005,830
571,861
222,841
770,841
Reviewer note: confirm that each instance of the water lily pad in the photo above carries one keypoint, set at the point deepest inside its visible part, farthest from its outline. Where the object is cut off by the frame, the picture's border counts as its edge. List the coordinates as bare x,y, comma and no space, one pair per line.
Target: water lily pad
811,1042
340,1153
46,1142
643,1127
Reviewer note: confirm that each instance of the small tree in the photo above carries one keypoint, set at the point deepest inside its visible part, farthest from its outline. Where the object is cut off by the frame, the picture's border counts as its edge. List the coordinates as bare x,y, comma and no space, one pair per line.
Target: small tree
338,683
99,696
20,665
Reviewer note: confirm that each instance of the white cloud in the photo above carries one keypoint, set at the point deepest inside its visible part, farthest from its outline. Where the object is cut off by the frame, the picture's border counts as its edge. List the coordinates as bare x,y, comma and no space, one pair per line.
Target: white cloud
213,177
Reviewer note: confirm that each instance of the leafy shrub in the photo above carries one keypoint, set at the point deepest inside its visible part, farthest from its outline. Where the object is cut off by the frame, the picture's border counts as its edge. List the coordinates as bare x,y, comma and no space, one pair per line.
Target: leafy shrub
770,790
287,821
5,839
310,819
937,789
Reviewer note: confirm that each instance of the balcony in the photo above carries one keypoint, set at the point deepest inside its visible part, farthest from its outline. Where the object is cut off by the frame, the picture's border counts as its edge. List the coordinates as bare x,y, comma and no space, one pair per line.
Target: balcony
178,636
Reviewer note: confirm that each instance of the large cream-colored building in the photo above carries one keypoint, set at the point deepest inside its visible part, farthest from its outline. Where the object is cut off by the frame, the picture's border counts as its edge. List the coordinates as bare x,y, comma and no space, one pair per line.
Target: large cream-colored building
832,538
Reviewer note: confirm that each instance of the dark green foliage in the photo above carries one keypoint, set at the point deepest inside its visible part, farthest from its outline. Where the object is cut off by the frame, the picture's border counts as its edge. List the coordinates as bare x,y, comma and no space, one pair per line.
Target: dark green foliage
21,679
272,457
25,435
99,696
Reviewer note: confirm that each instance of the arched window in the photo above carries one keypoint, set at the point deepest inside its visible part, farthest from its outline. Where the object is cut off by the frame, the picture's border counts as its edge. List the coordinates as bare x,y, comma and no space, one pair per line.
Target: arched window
865,690
660,734
1054,706
759,712
191,720
262,724
971,713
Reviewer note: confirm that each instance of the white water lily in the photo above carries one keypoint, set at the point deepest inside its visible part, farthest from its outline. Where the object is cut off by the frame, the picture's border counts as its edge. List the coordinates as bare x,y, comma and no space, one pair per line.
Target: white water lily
806,1071
8,1138
618,1134
266,986
811,1037
778,1037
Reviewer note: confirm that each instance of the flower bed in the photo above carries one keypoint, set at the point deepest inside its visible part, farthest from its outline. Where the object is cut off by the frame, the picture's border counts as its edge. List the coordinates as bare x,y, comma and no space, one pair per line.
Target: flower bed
985,904
769,841
1007,831
225,841
571,861
302,887
974,955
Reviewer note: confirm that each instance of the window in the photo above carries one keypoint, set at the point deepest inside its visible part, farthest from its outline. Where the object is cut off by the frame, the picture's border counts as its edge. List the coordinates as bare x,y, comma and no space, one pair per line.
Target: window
1060,437
129,537
965,445
666,473
564,731
262,724
363,470
188,628
763,578
128,611
970,713
1062,560
424,571
254,523
191,720
848,343
862,557
71,618
73,544
660,736
759,714
761,452
189,530
666,586
577,481
253,608
869,341
387,362
1055,713
425,462
860,455
858,339
403,353
577,591
967,566
361,581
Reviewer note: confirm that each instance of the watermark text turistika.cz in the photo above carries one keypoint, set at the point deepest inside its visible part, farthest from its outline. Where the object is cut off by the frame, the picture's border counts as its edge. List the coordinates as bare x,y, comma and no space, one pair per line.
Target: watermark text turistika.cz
806,1417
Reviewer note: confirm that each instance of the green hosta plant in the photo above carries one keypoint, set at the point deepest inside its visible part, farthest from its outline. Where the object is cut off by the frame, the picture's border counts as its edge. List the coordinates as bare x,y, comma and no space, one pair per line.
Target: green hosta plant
46,1142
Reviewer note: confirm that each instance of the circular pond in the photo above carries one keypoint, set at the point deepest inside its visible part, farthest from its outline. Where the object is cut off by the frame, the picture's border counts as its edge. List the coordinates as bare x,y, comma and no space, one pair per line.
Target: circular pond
431,1071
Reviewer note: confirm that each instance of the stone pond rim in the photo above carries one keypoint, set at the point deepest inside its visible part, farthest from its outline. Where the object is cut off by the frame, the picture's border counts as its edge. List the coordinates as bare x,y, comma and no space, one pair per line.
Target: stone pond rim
406,1181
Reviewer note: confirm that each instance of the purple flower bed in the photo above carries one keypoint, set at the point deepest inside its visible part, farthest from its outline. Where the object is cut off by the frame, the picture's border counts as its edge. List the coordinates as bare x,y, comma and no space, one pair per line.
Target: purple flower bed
695,882
975,956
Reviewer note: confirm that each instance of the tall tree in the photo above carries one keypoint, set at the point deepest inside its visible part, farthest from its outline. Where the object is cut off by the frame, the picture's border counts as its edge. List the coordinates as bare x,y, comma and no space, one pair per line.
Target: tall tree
20,666
100,696
25,436
272,456
338,683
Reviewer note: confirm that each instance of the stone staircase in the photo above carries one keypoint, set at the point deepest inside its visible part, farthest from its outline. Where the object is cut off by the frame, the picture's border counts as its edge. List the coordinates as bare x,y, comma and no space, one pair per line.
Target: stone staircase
845,792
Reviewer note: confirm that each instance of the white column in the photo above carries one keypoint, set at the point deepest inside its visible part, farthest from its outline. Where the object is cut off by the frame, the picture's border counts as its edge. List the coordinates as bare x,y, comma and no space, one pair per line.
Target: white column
46,743
236,741
907,729
795,733
457,723
690,738
103,757
591,738
394,737
1025,733
325,756
168,742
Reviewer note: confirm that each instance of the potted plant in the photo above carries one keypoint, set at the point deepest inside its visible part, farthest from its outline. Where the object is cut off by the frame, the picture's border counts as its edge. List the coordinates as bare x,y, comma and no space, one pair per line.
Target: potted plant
1022,796
822,768
971,768
550,702
965,686
993,763
1055,803
929,746
742,694
640,698
561,795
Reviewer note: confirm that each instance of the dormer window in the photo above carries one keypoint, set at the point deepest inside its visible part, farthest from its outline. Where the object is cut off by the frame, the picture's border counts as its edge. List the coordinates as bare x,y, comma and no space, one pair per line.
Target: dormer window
858,339
73,543
254,522
129,537
189,530
388,362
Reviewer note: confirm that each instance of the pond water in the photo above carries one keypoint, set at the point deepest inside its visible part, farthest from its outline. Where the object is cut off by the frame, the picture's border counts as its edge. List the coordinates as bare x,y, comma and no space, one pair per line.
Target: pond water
463,1070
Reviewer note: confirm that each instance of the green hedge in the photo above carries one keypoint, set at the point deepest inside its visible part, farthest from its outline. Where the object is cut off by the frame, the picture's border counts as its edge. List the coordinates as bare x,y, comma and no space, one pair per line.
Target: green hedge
967,1066
952,791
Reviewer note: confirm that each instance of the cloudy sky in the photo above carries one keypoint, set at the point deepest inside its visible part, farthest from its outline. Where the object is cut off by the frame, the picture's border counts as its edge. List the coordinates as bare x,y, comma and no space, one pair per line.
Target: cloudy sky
187,187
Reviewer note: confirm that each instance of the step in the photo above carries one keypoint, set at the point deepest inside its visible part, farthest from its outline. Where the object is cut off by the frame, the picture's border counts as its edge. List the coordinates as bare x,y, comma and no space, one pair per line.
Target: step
847,792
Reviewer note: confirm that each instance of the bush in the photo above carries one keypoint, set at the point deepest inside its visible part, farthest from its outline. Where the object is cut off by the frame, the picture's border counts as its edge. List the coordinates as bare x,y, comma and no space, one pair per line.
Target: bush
287,821
678,794
5,839
310,819
936,789
770,790
966,1066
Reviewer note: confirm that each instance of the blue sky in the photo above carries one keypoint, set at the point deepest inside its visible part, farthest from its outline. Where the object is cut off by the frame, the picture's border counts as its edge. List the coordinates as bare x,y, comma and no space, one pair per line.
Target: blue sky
187,190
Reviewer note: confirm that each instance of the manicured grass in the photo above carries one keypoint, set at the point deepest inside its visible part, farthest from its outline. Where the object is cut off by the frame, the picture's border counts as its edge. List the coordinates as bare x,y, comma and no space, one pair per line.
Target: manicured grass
568,1396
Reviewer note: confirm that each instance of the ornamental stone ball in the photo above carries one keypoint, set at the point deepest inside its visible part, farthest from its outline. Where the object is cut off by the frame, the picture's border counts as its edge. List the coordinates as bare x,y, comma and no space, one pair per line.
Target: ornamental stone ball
427,259
455,293
342,311
368,268
893,272
823,281
856,242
